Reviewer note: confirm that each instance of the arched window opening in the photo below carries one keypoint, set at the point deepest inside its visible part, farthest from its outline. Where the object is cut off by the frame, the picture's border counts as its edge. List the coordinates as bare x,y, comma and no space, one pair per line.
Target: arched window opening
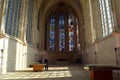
12,17
62,33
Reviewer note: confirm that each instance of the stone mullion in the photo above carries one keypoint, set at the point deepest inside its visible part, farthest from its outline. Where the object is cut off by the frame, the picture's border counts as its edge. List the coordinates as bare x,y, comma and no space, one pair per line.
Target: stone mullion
25,18
96,23
66,34
34,27
56,34
20,34
114,11
75,35
48,34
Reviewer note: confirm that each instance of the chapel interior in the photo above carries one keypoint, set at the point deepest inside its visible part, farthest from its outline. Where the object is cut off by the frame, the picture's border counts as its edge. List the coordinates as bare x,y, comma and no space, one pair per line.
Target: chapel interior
65,32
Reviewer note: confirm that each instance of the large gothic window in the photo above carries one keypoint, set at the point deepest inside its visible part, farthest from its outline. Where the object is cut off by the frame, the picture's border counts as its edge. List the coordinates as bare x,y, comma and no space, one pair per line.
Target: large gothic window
106,17
62,33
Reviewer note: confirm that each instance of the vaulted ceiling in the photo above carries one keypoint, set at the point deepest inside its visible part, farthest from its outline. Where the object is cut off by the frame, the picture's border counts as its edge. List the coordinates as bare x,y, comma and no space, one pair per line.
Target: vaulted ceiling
48,6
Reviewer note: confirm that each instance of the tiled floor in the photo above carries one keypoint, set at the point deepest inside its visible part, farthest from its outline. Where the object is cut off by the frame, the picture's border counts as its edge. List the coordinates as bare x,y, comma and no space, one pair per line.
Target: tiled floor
55,72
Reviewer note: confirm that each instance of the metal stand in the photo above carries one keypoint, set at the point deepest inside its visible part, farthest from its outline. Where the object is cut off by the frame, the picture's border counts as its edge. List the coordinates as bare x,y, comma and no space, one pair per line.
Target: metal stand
1,60
116,57
86,58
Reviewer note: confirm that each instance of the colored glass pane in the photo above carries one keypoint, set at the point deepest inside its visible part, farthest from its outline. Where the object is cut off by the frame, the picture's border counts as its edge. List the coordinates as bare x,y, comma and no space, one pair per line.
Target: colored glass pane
61,33
71,33
52,33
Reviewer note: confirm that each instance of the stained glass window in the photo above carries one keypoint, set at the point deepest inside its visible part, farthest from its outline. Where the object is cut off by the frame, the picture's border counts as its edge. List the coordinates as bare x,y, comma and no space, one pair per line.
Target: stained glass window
16,18
60,28
12,17
61,33
11,8
71,33
52,33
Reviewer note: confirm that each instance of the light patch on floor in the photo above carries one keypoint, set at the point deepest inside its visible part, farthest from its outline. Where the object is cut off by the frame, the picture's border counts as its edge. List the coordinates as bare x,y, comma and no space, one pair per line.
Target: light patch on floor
71,72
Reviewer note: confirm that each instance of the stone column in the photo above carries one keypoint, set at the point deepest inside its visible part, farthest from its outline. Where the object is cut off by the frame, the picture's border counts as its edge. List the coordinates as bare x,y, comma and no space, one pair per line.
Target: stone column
3,15
33,39
20,34
25,19
1,10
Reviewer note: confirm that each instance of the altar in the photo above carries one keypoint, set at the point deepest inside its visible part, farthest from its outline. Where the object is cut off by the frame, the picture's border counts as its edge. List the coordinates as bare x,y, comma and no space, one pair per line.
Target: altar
101,72
38,67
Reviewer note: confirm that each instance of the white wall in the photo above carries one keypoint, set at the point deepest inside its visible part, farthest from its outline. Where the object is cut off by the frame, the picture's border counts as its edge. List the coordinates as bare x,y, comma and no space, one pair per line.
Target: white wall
2,56
105,51
4,42
11,54
16,56
30,55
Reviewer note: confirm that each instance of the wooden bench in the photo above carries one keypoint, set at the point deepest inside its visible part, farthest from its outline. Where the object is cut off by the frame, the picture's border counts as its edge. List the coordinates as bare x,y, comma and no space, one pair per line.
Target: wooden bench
38,67
100,72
